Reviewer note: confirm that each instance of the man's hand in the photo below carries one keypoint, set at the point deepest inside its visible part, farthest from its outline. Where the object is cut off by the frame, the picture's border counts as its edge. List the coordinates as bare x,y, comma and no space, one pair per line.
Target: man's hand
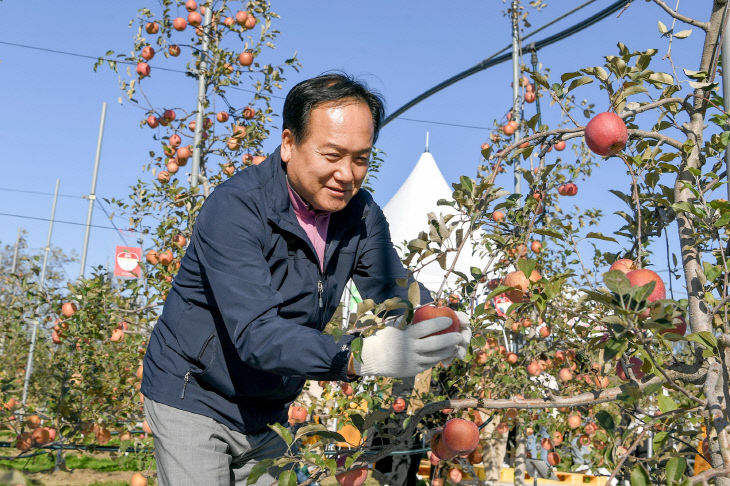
465,333
403,353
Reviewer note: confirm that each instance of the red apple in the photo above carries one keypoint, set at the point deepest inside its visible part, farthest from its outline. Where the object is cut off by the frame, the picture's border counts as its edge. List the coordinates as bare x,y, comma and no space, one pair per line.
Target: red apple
512,358
455,475
354,477
297,414
574,420
250,22
680,328
643,276
635,365
166,257
152,27
241,17
174,50
606,134
440,449
461,436
546,444
560,145
553,458
248,113
245,58
169,115
183,154
534,368
163,176
624,265
399,405
191,5
179,23
565,374
68,309
430,311
175,140
148,53
195,19
152,121
143,69
221,116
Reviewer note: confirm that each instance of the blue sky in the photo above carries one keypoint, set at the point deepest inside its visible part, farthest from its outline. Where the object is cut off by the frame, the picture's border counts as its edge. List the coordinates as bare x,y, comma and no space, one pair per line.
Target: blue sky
51,103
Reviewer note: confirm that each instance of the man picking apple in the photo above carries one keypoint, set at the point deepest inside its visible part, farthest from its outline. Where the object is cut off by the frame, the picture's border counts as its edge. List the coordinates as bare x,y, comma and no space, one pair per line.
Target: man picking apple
270,254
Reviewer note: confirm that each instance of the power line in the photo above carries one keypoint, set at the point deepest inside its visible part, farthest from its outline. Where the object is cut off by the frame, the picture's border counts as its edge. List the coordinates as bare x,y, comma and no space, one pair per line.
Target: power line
10,189
119,61
496,58
112,222
66,222
443,123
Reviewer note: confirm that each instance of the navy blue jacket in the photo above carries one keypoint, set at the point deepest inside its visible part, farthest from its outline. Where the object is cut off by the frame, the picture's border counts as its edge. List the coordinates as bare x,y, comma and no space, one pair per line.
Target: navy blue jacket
241,329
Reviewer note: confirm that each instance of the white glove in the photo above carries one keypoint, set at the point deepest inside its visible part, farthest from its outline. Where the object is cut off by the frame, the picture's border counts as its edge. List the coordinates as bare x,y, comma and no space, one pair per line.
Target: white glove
404,353
465,332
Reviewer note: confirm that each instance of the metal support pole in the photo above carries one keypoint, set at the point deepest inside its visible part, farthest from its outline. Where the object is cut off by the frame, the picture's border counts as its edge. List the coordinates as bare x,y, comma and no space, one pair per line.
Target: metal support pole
42,282
516,85
15,252
197,139
533,59
92,194
726,90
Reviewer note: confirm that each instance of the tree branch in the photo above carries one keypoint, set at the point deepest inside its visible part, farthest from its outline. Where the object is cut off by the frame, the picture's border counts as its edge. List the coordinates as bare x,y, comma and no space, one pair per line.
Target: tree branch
682,18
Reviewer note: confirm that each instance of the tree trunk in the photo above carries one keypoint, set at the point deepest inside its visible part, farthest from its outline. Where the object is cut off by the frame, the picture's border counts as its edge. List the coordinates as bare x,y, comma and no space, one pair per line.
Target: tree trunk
495,448
520,457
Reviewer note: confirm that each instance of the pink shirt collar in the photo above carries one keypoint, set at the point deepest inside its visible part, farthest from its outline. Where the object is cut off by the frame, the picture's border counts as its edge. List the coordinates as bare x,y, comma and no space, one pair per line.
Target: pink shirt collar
314,223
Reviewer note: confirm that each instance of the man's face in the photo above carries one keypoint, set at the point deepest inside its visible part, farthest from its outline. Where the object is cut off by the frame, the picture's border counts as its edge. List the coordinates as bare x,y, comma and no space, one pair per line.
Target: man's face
327,168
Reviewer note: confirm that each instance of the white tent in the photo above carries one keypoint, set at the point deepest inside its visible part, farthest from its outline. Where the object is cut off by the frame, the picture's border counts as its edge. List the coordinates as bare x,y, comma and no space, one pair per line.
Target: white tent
407,212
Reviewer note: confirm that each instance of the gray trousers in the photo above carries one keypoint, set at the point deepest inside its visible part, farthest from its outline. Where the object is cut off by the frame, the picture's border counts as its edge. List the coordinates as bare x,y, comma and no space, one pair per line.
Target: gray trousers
195,450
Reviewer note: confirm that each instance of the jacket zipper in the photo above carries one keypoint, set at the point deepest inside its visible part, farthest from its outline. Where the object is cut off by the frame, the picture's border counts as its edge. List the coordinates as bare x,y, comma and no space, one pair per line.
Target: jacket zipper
186,378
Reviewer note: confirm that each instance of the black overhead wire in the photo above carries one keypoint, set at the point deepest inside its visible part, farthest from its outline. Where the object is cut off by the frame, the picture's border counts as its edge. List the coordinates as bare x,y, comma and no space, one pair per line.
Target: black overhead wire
496,58
119,61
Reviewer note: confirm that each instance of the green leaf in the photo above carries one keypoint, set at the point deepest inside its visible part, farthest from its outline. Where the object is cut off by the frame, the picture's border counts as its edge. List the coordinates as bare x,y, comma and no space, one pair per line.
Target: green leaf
414,294
662,28
579,82
683,34
662,78
641,293
659,439
566,76
614,348
500,289
283,432
527,266
467,184
704,338
617,282
639,476
675,468
548,232
258,470
309,429
666,404
606,420
288,478
600,236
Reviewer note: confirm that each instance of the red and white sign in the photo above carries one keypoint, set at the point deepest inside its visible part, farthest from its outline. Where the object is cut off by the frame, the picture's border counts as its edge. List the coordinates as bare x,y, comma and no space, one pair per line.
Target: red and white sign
126,261
501,304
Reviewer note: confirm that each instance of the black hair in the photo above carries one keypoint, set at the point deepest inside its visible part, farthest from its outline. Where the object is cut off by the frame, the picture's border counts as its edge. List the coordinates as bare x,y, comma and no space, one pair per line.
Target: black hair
308,94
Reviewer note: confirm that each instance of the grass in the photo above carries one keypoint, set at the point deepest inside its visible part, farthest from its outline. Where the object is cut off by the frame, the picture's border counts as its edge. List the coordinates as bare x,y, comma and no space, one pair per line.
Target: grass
97,462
